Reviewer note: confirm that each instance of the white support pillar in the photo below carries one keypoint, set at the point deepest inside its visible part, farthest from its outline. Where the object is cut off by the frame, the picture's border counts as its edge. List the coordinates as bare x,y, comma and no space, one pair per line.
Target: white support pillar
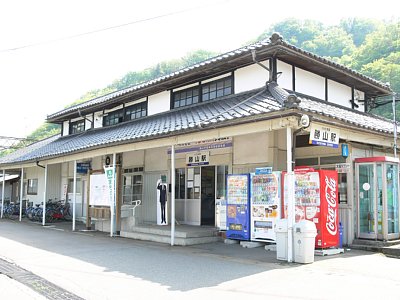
290,181
2,192
74,199
172,195
21,193
44,196
113,199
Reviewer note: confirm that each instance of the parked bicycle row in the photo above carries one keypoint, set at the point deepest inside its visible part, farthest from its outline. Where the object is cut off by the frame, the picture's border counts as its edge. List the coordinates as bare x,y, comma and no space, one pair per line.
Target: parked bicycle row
55,211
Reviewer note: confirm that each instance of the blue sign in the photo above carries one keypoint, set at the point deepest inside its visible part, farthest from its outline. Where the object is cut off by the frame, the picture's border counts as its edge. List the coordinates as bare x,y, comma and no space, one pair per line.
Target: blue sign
265,170
82,168
345,150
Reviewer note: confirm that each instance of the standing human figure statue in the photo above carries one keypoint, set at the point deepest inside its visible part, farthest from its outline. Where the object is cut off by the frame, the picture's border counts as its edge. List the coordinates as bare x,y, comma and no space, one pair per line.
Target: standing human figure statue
163,200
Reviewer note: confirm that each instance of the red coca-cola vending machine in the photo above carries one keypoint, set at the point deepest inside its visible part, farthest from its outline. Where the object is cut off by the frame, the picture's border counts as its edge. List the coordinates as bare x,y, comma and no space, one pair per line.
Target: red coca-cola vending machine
316,200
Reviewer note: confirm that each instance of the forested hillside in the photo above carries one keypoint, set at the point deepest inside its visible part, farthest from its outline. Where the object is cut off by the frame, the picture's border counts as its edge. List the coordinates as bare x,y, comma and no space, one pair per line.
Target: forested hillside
371,47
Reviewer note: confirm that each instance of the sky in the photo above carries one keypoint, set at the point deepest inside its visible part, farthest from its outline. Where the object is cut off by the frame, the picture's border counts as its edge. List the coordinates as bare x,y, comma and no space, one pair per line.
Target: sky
53,52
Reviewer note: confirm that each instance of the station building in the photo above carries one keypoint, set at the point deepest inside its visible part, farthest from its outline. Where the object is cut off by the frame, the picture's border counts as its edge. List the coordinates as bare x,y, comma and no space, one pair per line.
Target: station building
227,115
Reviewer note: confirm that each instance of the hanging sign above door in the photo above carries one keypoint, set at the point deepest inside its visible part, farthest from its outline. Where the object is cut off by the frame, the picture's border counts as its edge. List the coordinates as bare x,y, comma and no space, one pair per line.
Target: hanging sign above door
324,136
198,158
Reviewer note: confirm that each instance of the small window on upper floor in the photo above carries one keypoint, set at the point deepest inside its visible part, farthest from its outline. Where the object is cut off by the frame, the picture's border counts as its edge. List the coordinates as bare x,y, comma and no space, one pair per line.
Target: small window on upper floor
203,92
76,127
113,117
186,97
136,111
216,89
128,113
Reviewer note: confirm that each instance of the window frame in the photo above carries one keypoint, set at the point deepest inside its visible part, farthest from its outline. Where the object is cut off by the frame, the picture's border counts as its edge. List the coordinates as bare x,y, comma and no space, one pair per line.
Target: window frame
77,126
199,89
32,186
122,114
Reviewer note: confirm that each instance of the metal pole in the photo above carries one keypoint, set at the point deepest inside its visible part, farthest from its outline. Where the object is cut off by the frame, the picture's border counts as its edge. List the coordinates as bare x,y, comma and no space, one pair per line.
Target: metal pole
172,195
21,194
74,199
44,195
290,192
2,192
394,125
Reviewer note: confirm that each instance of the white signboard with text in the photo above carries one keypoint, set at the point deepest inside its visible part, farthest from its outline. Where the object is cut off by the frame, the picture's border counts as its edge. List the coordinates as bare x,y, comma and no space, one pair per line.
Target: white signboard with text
324,136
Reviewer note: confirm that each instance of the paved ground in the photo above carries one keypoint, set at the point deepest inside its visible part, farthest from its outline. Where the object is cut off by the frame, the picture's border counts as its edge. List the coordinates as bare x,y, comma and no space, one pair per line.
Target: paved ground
91,265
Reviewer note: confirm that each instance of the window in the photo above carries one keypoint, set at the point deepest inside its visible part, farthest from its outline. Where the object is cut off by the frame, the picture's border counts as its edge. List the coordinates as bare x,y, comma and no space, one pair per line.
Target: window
71,185
216,89
76,127
32,188
203,92
114,117
180,183
132,186
132,112
186,97
136,111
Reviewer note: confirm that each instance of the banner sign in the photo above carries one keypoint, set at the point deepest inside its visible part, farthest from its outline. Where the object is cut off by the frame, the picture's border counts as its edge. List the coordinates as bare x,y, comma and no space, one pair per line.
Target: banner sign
203,145
198,159
324,136
109,172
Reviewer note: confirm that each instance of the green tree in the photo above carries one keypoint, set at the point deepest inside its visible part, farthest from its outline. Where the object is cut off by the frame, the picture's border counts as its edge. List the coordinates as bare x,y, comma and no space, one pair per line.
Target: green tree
359,28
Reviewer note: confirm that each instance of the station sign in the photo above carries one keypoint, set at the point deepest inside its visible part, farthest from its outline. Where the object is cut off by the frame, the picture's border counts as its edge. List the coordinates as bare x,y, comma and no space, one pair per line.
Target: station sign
324,136
342,168
198,158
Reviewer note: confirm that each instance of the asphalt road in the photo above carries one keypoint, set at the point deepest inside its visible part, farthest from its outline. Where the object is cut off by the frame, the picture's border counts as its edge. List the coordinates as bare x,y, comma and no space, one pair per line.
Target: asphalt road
91,265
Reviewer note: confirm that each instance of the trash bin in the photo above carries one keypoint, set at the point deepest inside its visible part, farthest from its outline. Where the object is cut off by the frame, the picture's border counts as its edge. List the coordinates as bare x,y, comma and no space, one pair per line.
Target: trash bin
281,230
304,241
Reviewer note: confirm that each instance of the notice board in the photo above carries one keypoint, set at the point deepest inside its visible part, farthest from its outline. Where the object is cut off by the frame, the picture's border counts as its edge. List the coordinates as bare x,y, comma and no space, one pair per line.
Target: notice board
99,193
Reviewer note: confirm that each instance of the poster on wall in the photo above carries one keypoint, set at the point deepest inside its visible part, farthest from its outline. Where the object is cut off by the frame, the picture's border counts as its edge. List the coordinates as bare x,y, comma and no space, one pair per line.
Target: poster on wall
99,191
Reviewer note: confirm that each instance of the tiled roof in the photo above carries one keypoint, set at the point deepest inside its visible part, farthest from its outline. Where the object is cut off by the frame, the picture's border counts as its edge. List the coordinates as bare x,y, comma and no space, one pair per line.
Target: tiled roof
220,112
274,41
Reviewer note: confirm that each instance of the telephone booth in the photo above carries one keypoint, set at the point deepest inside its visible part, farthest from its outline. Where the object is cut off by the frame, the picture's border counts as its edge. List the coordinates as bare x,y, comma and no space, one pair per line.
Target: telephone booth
377,190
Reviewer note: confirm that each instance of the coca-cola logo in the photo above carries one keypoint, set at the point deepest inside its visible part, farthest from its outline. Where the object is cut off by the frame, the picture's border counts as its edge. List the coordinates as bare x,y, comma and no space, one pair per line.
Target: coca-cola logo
330,196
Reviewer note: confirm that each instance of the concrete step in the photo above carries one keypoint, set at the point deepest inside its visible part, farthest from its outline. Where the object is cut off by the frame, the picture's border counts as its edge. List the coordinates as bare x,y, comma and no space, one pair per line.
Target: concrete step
184,233
389,248
166,239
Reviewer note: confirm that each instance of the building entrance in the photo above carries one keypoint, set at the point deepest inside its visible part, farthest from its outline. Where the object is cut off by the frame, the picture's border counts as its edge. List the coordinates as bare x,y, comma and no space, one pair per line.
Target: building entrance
208,195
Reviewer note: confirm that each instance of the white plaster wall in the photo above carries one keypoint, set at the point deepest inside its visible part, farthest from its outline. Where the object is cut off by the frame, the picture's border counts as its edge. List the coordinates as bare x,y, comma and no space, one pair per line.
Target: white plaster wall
98,119
35,173
113,109
339,93
310,84
251,77
158,103
156,159
285,79
253,149
133,159
97,163
65,128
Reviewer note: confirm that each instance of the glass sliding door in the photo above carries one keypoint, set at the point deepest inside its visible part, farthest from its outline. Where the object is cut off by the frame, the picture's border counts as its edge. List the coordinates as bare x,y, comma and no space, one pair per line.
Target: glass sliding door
367,223
392,202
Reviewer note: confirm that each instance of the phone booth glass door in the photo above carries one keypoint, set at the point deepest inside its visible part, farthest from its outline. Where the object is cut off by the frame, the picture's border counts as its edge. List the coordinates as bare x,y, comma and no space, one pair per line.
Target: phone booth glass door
377,198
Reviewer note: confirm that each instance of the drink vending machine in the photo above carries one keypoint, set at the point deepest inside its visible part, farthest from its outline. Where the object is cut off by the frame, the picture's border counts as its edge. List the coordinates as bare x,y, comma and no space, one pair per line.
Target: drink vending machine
316,200
237,201
265,208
